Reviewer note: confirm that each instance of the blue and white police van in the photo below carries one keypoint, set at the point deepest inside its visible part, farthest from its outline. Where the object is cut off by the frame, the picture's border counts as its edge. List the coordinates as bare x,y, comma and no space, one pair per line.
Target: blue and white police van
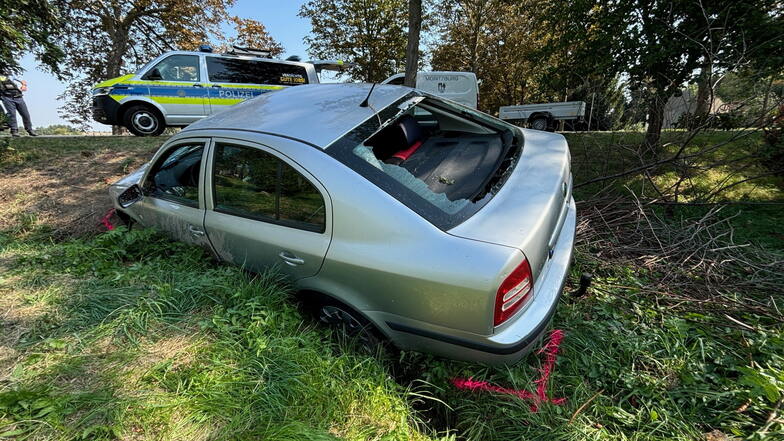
180,87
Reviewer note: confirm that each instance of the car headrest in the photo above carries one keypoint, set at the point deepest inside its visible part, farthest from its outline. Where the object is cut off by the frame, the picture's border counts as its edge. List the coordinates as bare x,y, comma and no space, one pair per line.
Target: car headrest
411,131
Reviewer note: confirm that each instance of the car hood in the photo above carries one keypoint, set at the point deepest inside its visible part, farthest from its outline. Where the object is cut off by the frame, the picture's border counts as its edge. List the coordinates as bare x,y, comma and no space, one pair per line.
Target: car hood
113,81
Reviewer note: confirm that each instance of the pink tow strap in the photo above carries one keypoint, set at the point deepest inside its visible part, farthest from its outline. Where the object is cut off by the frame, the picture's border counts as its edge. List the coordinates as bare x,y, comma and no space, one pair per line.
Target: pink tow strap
105,220
551,354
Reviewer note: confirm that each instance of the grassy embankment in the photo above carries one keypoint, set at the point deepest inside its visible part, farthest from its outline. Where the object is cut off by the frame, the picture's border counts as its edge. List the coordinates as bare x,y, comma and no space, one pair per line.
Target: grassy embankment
130,336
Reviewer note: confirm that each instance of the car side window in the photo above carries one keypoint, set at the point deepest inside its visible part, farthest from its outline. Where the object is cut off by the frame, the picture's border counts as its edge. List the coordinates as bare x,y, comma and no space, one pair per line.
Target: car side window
231,70
175,68
176,174
252,183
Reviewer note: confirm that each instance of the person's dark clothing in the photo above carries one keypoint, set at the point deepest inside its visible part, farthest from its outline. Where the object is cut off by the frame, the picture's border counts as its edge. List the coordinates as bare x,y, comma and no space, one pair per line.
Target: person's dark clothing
13,105
13,101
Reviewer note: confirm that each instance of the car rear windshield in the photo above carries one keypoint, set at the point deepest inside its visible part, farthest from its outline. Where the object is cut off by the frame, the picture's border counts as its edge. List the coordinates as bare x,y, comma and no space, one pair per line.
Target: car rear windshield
441,159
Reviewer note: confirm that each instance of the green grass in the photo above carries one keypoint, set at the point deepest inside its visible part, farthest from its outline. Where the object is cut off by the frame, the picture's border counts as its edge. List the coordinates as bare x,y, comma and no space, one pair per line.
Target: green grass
127,335
15,152
597,154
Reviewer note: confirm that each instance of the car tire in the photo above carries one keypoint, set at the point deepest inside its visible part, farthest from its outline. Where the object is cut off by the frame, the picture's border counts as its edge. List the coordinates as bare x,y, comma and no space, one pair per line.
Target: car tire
143,120
352,324
540,123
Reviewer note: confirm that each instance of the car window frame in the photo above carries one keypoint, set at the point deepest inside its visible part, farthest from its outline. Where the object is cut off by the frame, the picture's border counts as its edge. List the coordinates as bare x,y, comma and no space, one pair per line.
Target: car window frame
155,66
156,161
210,186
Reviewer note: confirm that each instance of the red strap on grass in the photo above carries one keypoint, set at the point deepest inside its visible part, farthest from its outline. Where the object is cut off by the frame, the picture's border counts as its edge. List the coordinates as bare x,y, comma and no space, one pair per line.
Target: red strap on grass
405,154
551,354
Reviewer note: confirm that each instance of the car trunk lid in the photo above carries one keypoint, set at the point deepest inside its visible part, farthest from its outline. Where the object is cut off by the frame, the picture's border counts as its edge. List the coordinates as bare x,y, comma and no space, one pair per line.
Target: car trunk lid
528,212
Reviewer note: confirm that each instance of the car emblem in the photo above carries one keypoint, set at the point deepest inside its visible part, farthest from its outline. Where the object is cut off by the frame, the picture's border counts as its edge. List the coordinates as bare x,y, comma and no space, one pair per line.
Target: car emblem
180,92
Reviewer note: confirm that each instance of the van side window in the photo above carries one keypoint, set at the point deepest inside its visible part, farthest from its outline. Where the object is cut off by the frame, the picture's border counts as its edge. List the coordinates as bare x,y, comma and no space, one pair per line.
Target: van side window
235,70
175,68
176,175
252,183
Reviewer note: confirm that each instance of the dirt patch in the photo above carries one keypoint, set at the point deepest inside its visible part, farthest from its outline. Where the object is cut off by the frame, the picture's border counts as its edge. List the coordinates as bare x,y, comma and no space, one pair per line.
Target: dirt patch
68,194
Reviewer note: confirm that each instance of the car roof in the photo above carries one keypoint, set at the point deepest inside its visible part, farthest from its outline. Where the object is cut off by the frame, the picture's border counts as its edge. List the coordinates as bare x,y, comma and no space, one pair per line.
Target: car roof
222,55
318,114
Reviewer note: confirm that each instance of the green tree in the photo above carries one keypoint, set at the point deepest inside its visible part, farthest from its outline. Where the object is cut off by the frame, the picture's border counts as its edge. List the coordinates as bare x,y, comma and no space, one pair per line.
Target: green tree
29,26
661,45
371,34
495,39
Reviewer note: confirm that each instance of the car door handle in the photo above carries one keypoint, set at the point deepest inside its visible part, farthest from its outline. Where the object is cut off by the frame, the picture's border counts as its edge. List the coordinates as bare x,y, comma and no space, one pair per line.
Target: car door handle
197,85
195,231
291,259
216,86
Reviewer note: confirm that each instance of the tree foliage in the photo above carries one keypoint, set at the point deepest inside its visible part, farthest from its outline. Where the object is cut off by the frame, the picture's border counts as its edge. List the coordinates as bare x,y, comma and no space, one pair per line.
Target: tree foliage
494,39
252,33
660,45
29,26
371,34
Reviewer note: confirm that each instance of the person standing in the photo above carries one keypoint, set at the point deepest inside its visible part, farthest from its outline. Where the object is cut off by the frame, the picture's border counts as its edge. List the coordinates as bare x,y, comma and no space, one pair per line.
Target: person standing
12,95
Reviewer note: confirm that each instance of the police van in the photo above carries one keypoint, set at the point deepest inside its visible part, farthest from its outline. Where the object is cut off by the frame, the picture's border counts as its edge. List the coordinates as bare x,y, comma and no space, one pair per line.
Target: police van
181,87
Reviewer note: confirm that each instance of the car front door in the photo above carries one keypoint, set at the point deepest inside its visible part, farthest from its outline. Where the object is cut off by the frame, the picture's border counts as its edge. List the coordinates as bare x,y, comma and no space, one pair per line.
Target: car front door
175,84
265,210
173,191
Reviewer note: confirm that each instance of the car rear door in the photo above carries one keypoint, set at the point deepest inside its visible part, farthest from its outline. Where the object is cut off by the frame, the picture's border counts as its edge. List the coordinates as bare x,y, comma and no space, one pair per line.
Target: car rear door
265,210
173,190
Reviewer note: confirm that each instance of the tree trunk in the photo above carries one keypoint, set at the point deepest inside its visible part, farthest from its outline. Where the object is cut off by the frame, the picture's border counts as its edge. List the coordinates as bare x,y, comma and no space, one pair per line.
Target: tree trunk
655,121
412,50
704,92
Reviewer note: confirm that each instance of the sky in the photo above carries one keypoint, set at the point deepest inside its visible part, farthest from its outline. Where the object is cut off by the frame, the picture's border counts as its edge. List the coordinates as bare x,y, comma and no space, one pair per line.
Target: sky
280,18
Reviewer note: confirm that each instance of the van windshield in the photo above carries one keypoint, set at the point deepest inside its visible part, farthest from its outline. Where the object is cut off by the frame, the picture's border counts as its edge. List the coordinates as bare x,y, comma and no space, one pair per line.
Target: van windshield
443,160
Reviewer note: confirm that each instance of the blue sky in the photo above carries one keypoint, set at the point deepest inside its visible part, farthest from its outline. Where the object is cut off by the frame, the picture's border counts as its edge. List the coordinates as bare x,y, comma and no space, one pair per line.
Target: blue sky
280,18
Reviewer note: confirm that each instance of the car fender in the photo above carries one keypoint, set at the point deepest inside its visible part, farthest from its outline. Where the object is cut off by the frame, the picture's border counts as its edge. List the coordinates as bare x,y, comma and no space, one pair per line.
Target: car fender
127,101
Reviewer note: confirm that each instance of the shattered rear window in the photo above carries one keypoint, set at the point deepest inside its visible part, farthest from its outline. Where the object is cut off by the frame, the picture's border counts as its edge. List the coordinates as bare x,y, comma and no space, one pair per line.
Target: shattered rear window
442,161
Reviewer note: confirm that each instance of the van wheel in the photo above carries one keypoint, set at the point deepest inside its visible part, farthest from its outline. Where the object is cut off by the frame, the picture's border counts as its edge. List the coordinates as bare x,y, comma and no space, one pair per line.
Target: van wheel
540,123
142,120
352,324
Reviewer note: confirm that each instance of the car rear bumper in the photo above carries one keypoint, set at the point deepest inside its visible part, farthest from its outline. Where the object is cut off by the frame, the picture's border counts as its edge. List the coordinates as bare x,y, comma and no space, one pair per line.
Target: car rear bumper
515,339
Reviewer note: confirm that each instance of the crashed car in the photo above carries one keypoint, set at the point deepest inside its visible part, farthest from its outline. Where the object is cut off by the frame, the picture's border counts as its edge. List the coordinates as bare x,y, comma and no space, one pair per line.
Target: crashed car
393,212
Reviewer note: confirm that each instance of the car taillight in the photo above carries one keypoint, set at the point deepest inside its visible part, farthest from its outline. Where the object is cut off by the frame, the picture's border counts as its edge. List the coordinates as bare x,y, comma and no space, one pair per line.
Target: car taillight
513,292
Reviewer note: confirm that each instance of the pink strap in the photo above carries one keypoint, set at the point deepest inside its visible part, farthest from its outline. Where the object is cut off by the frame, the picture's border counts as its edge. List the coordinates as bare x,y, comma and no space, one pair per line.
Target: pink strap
551,353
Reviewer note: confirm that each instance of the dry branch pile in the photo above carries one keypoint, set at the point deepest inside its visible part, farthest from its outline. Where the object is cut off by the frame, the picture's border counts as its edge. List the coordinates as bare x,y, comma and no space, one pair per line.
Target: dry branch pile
692,265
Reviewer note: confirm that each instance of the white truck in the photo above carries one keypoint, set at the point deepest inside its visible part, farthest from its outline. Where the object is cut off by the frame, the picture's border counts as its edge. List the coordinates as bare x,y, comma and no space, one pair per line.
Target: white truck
543,116
461,87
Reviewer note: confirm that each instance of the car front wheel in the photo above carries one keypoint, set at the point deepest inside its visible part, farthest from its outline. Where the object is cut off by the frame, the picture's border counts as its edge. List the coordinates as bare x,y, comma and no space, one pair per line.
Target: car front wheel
144,121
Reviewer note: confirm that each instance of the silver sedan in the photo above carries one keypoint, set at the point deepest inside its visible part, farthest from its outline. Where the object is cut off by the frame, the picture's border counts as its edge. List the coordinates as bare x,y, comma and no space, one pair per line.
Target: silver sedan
394,213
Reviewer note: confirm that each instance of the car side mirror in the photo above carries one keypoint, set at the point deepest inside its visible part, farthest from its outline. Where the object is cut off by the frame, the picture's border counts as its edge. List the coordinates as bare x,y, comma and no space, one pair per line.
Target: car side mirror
130,196
154,75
